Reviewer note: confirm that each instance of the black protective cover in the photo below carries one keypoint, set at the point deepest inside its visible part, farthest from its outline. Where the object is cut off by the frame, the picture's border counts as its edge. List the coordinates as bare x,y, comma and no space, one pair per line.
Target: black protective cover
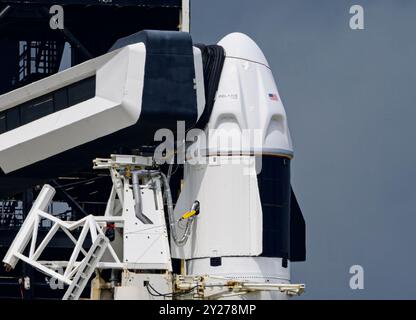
169,93
213,57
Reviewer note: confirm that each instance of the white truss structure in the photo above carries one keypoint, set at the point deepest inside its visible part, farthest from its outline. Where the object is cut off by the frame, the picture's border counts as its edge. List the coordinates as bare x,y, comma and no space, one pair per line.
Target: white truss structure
131,251
28,234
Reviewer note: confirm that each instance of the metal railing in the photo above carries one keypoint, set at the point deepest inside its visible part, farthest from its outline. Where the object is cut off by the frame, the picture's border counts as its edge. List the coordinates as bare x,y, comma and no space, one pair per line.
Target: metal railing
38,57
12,214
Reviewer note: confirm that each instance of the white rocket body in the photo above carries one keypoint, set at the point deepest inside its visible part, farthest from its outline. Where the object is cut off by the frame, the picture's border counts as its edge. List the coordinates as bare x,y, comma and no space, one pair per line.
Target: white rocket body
227,236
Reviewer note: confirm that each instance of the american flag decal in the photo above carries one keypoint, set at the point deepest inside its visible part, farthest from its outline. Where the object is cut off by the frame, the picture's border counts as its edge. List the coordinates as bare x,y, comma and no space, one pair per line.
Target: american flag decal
273,96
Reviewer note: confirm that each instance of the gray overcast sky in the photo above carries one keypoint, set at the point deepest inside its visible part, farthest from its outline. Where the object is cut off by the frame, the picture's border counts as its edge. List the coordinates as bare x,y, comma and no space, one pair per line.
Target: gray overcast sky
350,97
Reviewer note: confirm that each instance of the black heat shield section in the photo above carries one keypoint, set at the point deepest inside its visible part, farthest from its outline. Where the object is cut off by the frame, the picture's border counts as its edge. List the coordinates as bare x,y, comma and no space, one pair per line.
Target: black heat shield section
283,223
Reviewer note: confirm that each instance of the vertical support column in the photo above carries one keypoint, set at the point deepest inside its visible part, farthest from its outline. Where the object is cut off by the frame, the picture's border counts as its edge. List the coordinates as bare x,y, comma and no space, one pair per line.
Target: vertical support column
27,270
25,233
185,18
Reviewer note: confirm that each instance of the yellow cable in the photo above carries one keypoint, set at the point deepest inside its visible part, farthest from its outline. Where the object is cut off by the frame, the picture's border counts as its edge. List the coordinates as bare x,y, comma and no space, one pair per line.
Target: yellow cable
188,214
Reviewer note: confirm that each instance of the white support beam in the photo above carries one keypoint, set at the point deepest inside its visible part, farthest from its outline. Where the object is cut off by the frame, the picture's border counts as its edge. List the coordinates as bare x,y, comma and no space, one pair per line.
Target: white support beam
25,233
77,249
185,16
44,269
67,225
109,247
93,229
110,204
45,241
70,236
34,236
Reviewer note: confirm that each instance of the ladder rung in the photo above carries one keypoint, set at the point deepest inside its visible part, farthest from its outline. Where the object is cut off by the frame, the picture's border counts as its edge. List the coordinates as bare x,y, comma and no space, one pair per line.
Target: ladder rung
87,268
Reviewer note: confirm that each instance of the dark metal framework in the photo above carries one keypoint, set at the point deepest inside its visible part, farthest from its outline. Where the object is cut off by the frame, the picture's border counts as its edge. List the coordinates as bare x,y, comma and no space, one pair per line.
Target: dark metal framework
30,50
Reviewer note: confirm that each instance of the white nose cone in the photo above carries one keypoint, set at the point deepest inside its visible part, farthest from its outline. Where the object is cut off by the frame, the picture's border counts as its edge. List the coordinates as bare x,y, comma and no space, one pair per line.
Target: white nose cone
248,114
239,45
